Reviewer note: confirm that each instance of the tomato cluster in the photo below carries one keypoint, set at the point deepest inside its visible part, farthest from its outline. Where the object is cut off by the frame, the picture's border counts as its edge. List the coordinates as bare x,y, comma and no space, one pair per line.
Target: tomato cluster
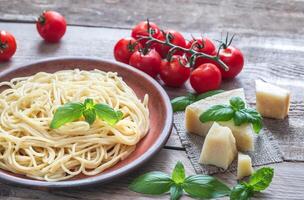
174,69
50,25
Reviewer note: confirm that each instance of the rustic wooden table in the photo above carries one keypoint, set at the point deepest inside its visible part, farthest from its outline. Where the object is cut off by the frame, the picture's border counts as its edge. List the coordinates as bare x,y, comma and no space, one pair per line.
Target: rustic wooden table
269,33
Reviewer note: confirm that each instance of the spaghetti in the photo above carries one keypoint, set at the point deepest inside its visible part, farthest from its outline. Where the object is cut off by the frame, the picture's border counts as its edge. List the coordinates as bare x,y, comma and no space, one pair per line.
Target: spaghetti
27,144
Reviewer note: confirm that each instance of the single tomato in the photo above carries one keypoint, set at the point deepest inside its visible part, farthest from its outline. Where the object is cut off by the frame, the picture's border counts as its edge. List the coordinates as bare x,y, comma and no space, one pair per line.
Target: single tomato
51,26
148,62
234,59
203,45
124,48
206,77
174,73
175,38
8,45
141,29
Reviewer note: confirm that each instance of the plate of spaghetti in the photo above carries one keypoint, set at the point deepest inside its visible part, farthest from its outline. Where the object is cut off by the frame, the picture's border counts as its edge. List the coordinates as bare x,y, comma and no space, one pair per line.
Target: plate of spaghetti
71,122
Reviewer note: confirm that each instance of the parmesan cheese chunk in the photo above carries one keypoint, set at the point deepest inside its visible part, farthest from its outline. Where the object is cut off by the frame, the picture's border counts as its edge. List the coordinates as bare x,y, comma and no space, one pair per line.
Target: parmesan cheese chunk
243,134
219,148
244,167
272,101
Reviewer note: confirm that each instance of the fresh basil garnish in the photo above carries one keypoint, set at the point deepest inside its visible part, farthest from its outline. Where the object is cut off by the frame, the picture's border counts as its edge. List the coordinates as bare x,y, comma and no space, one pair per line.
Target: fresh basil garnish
206,187
199,186
258,181
180,103
236,111
70,112
154,183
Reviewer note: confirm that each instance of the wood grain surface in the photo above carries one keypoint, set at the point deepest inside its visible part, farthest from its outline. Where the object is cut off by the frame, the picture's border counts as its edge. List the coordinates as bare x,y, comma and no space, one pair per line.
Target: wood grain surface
270,33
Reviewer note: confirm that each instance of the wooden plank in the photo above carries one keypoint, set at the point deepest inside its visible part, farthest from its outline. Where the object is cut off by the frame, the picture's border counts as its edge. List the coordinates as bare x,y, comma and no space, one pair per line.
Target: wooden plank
258,17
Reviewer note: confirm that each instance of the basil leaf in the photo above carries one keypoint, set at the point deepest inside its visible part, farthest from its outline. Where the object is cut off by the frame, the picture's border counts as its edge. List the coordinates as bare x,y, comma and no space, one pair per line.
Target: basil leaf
176,191
237,103
202,186
208,94
66,113
240,118
180,103
217,113
253,117
108,114
240,192
154,183
89,116
178,174
261,179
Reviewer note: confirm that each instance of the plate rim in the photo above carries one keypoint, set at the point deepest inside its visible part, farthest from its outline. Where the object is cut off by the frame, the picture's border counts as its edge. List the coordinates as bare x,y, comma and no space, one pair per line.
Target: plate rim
99,178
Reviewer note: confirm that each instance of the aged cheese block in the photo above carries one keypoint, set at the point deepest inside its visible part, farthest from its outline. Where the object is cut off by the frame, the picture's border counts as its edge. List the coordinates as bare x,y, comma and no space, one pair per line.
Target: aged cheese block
272,101
244,167
219,148
243,134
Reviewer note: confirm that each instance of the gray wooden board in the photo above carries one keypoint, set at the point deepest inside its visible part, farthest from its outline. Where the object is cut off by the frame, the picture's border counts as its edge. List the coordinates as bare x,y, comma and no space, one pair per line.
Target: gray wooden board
259,17
271,54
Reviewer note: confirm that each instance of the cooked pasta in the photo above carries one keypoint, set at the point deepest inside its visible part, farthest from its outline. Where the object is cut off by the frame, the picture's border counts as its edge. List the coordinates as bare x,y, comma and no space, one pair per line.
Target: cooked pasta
30,147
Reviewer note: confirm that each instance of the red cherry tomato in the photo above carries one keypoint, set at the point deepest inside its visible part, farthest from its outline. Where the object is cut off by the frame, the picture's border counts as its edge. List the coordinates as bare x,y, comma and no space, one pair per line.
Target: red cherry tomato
174,73
51,26
177,39
8,45
148,63
205,78
234,59
124,48
204,45
141,29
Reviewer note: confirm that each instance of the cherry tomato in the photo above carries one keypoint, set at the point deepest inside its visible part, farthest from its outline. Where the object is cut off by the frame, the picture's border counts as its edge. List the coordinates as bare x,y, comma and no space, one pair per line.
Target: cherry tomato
176,38
174,73
8,45
51,26
234,59
148,63
124,48
141,29
204,45
205,78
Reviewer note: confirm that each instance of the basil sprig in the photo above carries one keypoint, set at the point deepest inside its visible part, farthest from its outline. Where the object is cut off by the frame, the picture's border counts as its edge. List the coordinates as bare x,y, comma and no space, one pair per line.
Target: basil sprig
180,103
89,110
236,111
258,182
199,186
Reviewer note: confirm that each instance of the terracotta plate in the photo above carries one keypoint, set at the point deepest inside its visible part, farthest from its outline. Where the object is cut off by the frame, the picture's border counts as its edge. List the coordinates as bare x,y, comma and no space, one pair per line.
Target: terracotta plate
159,107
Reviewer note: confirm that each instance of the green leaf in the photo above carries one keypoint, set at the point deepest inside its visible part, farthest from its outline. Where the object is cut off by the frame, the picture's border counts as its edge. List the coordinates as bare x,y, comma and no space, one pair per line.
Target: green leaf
176,191
180,103
108,114
217,113
89,115
240,192
67,113
88,103
178,174
208,94
261,179
154,183
202,186
237,103
253,117
240,118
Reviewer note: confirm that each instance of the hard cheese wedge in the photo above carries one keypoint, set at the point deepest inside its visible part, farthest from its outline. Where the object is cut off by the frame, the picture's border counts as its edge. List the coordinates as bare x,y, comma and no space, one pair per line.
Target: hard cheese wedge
272,101
244,167
243,134
219,148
